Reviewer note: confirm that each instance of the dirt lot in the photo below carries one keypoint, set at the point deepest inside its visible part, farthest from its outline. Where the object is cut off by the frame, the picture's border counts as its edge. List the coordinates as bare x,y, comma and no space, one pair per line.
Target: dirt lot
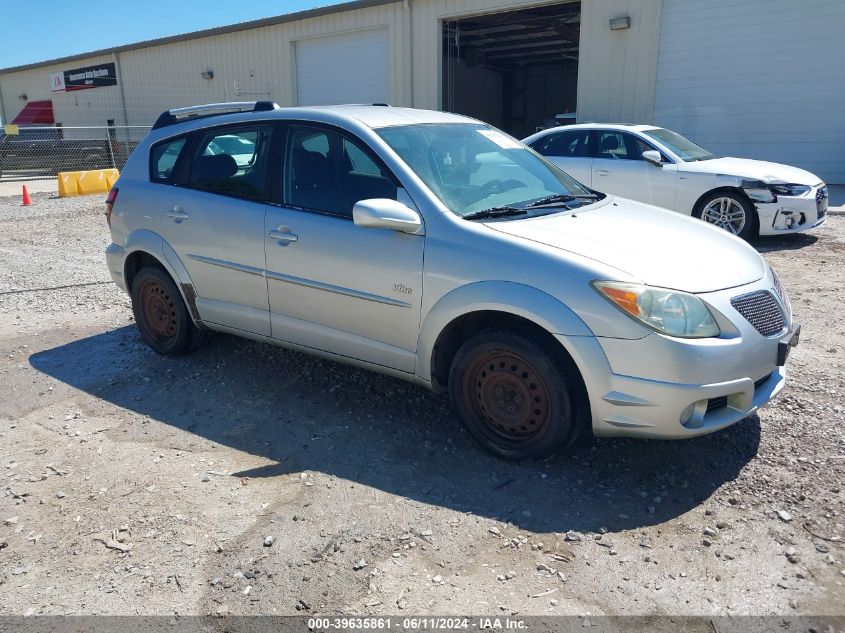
137,484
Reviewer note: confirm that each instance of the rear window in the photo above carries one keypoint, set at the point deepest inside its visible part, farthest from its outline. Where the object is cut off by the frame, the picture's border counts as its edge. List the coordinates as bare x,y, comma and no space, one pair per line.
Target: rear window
163,159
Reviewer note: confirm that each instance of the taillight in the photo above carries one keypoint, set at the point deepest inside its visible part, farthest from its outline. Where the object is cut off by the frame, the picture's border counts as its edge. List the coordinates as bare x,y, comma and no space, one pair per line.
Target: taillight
110,200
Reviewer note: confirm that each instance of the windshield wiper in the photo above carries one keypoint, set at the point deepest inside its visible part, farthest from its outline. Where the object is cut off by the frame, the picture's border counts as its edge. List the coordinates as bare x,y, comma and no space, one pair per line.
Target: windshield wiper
494,212
560,198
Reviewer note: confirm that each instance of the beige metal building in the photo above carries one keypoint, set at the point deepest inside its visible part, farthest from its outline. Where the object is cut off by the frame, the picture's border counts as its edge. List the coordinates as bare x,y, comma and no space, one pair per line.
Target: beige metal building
739,76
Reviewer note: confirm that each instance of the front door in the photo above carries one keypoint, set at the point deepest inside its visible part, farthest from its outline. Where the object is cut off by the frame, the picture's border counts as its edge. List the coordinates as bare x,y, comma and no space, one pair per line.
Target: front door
333,285
214,220
619,169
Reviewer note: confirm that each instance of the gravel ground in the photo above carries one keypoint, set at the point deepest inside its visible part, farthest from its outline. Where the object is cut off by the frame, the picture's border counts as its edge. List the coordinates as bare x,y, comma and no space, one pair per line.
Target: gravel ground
247,479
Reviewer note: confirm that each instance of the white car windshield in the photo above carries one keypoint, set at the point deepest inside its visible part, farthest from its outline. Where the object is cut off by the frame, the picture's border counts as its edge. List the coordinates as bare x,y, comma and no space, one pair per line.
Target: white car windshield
475,168
683,148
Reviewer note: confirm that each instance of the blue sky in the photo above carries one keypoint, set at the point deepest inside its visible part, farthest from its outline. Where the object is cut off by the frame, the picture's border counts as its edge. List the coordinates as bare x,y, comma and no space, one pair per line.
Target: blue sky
45,29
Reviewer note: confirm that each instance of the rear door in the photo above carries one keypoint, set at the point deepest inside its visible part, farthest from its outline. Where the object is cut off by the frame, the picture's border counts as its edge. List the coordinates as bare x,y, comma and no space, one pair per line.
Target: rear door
569,150
213,217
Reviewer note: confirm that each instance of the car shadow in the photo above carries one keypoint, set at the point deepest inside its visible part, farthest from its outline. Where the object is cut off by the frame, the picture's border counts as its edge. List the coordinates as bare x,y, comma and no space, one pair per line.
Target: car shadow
791,242
305,413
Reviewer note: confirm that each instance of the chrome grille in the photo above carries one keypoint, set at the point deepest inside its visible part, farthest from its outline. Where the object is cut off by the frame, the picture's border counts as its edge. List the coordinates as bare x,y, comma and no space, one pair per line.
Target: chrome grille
761,310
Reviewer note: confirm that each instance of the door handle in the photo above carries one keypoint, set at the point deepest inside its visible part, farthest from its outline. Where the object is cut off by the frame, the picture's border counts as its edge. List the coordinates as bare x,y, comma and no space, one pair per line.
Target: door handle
603,172
282,234
177,214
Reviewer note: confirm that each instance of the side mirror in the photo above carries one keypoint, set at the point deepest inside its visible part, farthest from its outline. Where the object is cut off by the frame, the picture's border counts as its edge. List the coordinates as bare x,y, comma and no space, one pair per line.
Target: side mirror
384,213
653,156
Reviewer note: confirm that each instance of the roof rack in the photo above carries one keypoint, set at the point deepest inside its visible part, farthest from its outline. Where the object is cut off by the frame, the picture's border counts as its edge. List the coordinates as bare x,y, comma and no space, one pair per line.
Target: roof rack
177,115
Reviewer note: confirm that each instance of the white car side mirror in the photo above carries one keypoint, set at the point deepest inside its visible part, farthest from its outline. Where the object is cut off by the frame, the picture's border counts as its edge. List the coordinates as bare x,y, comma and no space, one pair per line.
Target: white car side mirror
383,213
653,156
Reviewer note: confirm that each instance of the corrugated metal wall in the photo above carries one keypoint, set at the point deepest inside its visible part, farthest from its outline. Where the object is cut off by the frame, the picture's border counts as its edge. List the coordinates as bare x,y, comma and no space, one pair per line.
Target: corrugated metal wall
772,88
616,69
81,107
616,73
247,65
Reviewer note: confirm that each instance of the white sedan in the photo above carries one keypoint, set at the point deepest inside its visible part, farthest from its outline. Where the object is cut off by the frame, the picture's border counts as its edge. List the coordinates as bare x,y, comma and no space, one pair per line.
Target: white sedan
661,167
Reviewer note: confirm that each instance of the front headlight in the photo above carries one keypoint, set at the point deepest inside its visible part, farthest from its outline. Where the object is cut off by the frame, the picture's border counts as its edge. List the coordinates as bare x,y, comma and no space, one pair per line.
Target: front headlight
789,190
668,311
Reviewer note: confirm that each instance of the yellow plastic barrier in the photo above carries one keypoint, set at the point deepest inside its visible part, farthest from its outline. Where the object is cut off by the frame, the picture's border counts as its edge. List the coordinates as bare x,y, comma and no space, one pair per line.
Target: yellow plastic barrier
83,183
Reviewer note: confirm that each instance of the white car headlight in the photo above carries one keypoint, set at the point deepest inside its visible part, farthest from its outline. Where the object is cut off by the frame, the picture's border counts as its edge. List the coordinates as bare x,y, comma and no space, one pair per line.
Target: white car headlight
668,311
789,189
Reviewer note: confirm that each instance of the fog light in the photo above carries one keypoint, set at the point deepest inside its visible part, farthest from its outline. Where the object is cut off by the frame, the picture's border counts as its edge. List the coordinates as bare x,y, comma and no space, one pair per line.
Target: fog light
686,414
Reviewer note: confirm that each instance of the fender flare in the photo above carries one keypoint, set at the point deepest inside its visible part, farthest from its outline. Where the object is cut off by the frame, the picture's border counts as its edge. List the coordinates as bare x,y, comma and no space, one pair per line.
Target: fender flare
153,244
499,296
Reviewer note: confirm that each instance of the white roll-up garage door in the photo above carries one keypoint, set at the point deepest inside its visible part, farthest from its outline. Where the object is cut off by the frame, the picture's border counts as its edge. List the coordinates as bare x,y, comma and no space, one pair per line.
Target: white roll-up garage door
761,80
345,68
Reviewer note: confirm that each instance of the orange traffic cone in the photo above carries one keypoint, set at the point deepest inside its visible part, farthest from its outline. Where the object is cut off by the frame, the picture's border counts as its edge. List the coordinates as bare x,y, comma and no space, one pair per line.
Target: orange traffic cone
26,199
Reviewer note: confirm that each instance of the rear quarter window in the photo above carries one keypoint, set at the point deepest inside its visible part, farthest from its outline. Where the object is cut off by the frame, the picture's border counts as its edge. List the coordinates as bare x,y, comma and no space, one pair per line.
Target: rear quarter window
163,158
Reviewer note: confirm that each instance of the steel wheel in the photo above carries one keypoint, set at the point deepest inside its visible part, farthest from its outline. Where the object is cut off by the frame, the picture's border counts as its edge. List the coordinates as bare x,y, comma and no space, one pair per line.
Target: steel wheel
158,311
161,314
726,213
510,395
518,395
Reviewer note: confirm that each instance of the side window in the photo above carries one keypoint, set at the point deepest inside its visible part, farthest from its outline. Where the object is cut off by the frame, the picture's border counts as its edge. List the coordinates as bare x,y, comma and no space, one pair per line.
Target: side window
327,172
621,145
612,145
361,163
575,143
637,146
232,162
163,157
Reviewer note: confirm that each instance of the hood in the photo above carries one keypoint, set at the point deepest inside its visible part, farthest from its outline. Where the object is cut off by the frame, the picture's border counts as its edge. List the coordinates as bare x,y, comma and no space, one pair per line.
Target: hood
658,247
757,169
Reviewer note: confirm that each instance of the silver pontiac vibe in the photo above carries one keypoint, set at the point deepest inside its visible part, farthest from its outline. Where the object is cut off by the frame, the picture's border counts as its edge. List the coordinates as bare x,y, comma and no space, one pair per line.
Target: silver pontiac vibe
437,249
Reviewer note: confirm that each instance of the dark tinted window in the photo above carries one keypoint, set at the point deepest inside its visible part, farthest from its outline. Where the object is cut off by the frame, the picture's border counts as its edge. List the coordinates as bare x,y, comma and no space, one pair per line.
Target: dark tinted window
163,159
574,143
327,172
621,145
233,162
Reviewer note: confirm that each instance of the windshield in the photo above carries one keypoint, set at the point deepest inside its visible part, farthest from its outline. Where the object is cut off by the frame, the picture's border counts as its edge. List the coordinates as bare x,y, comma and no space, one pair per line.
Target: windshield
683,148
473,167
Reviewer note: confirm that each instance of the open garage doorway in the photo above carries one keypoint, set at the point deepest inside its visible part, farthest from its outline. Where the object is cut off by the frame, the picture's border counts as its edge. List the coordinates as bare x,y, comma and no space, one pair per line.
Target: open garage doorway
517,70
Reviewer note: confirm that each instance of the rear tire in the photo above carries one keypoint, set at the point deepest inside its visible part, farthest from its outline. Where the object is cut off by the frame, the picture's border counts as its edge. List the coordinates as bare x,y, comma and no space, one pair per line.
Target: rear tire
161,315
516,397
730,211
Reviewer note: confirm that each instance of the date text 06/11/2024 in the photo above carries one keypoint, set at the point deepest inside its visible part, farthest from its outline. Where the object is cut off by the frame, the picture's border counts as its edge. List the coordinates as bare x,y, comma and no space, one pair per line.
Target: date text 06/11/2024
413,623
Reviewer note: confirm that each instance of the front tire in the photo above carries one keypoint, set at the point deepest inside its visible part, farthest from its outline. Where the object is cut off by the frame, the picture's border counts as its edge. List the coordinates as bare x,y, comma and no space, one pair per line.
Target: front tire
516,397
730,211
161,315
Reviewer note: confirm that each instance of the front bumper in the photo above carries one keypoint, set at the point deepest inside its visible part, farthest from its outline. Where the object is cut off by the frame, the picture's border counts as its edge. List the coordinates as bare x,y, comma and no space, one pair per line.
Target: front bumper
646,387
793,214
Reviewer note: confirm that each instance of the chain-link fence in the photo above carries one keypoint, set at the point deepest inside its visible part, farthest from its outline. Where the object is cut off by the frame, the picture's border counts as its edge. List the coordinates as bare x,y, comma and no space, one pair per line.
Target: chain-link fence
37,153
